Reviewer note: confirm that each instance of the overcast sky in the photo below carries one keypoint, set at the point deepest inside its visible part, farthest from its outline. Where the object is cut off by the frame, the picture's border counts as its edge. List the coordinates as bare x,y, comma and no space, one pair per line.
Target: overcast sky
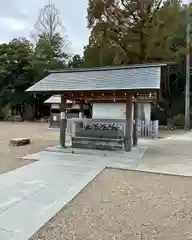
18,17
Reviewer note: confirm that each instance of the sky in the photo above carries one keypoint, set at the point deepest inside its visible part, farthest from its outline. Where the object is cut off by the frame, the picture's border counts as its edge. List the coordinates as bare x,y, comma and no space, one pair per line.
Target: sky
18,17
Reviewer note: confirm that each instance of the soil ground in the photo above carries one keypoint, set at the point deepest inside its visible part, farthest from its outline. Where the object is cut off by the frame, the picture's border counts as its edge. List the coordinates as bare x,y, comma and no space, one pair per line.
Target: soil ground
40,139
163,133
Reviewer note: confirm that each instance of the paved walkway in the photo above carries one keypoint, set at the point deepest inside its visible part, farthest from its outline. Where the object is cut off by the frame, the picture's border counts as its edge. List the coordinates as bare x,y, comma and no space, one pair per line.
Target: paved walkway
172,155
31,195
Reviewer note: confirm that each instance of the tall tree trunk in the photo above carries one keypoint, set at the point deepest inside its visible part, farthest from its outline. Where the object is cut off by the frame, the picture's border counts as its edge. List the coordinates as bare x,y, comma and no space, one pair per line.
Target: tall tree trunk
1,108
142,44
21,112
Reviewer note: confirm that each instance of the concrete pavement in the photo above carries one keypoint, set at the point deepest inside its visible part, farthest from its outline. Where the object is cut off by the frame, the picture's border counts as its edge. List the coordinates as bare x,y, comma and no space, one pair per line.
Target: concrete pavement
31,195
172,155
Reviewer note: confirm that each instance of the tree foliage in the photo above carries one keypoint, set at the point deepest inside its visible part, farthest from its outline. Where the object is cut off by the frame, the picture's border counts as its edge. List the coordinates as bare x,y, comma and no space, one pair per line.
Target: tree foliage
100,50
23,63
136,31
122,32
50,51
76,62
16,58
140,31
52,42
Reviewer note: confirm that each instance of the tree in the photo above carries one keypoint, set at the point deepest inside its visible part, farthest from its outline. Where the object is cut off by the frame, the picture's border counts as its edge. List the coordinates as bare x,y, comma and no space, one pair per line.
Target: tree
22,64
16,72
51,52
49,24
139,30
76,62
52,42
99,51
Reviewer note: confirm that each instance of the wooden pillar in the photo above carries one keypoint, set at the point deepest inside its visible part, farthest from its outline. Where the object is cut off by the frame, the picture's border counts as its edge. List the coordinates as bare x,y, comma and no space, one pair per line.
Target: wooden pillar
50,117
63,121
82,102
135,126
128,124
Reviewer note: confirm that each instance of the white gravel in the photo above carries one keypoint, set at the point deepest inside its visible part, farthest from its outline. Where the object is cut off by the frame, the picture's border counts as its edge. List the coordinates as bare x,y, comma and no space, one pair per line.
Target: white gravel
122,205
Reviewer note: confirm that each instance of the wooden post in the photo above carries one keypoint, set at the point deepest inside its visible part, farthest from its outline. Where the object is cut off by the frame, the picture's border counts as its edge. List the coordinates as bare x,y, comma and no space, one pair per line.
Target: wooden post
50,117
63,121
128,124
82,102
135,126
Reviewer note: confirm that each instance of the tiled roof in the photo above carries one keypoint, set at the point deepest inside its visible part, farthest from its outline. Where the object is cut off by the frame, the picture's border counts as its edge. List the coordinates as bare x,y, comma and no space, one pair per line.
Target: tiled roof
108,78
55,99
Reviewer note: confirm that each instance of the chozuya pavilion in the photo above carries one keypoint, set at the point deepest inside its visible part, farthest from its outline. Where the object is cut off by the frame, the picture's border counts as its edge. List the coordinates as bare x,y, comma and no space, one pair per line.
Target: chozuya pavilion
120,84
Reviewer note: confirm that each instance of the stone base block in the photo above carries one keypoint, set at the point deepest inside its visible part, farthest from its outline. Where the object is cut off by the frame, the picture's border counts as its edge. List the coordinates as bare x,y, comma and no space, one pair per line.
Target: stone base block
98,143
19,141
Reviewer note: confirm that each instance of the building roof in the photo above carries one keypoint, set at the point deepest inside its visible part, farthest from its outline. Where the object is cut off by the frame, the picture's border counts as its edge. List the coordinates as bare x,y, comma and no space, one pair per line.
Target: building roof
55,99
131,77
106,68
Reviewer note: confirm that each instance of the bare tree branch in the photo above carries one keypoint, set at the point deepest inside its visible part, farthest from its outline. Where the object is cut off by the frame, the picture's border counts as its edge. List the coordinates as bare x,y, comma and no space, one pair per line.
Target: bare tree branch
49,23
130,11
155,11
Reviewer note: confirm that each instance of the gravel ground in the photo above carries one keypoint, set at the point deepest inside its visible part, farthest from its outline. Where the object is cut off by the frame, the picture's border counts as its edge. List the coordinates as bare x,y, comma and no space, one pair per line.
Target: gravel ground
126,205
40,139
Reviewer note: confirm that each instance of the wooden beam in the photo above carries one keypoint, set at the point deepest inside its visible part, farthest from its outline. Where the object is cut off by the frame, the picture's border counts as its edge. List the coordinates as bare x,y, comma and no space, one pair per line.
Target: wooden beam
95,95
128,124
63,120
110,97
135,125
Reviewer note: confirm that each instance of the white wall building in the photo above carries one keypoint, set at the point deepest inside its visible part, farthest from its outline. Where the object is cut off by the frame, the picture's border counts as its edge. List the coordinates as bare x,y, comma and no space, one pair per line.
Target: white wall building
117,111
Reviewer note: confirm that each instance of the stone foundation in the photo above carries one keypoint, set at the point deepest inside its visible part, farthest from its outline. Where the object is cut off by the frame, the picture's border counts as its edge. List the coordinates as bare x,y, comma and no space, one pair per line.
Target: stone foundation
98,143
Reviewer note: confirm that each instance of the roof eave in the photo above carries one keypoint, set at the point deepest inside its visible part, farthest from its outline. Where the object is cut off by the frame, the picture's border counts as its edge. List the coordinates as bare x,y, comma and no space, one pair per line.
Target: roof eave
148,65
89,90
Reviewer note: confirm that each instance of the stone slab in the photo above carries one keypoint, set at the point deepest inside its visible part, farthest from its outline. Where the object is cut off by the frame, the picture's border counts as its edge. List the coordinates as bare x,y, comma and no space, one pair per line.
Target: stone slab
34,198
7,235
169,156
36,192
136,153
19,141
86,156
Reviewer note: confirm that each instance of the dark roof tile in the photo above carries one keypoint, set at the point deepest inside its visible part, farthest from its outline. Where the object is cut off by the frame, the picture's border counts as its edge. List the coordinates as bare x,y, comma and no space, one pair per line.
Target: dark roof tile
103,79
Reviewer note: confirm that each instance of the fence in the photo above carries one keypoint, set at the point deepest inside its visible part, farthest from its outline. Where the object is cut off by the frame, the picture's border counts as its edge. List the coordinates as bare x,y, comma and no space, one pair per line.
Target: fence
150,130
146,130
